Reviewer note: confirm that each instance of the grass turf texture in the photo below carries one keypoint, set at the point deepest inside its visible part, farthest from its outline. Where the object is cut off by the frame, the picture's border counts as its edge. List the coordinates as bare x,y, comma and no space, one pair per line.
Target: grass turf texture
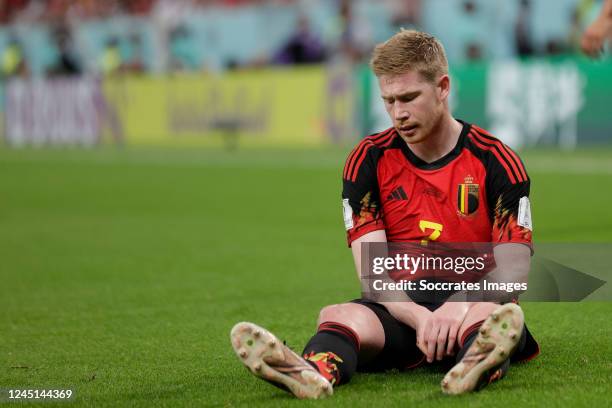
122,272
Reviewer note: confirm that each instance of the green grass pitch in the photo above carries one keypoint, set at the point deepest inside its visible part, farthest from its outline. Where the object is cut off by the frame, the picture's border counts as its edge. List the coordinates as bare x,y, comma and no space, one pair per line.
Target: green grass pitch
122,272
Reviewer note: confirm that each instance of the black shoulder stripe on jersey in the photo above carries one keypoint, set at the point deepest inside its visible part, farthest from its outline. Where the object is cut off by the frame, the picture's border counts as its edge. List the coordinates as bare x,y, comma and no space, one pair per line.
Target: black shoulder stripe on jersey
363,145
382,141
348,159
518,164
498,154
358,155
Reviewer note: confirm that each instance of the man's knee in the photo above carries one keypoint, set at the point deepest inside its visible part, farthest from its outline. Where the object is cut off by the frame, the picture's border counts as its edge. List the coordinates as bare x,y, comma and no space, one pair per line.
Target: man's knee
358,318
339,313
345,313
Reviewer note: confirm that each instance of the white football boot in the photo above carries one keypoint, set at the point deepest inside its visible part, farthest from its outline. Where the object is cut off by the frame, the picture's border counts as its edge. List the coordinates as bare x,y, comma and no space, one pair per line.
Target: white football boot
268,358
496,340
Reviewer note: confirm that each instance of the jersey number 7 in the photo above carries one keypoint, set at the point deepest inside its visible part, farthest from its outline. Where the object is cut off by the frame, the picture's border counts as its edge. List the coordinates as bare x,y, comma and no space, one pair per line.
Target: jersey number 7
430,225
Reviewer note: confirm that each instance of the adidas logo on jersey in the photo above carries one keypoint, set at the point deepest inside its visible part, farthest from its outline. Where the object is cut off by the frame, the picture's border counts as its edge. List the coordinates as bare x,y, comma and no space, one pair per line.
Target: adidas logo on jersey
398,194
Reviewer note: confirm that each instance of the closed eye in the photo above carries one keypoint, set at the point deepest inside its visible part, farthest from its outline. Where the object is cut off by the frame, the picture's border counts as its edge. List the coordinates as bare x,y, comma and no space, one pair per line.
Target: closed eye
407,97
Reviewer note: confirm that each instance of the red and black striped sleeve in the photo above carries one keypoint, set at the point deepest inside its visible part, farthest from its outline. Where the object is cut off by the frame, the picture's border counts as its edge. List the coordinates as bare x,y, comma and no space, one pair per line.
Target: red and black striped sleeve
360,192
507,188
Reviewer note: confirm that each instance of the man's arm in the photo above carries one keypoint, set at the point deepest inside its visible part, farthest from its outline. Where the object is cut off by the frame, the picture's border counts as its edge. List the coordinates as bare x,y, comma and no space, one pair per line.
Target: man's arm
374,236
513,261
436,331
442,328
596,34
407,311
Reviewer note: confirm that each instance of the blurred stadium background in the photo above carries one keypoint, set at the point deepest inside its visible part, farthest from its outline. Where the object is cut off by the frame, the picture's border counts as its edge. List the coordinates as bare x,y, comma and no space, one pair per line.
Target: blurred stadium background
286,72
168,168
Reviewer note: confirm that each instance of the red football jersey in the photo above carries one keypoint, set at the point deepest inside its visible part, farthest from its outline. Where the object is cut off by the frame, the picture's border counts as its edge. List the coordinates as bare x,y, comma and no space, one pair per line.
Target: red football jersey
479,192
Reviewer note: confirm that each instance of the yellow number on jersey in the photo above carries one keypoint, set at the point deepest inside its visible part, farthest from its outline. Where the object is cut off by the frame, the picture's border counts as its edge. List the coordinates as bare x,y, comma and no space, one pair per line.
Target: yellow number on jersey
435,234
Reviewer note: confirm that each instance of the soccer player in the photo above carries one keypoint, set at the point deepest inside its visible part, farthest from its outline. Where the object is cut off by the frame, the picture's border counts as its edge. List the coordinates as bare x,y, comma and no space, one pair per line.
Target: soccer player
598,32
430,177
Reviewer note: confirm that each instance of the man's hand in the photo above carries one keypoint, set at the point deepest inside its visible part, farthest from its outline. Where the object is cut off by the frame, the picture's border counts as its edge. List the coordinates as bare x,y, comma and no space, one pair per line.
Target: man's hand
595,36
409,313
437,335
598,32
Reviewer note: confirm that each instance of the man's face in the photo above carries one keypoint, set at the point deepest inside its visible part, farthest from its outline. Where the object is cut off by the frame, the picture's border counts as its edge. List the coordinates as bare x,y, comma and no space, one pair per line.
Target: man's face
414,105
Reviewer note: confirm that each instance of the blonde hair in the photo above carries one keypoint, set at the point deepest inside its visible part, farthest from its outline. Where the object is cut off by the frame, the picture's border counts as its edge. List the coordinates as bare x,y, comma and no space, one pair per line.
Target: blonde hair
410,50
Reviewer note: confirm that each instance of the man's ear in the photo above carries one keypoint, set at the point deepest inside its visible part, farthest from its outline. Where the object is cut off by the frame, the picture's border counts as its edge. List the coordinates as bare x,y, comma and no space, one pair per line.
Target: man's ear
443,87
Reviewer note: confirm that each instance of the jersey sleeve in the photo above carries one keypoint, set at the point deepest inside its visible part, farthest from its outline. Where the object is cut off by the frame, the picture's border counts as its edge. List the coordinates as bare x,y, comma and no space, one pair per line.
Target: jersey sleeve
360,194
508,188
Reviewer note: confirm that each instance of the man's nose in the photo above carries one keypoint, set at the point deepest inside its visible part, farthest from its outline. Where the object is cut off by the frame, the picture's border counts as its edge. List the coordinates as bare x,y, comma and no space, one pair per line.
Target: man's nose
400,112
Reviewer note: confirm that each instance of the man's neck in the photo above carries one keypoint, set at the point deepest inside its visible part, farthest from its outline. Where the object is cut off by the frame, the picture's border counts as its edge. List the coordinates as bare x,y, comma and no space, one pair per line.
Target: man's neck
442,141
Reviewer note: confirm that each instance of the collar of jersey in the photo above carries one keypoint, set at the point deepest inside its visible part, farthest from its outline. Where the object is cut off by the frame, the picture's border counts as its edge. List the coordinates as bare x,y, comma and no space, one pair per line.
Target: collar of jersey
442,161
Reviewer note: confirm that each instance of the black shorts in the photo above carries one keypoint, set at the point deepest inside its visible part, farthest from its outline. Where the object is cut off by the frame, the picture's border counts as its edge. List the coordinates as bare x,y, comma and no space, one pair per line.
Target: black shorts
401,352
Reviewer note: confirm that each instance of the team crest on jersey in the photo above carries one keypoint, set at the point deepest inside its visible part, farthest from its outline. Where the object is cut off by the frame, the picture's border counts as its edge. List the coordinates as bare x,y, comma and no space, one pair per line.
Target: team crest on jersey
467,197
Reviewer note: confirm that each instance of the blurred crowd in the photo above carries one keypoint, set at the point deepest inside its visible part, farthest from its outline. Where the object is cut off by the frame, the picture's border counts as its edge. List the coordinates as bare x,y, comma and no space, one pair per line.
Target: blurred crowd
70,37
57,10
54,10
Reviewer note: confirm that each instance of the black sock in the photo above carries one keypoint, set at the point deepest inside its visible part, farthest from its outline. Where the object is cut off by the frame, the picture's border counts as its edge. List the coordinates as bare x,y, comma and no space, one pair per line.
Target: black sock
522,342
467,342
333,352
